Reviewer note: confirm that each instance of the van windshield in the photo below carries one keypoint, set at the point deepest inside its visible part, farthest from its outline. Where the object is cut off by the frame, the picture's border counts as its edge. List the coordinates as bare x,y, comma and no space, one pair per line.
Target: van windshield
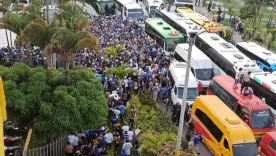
204,74
192,93
262,119
246,149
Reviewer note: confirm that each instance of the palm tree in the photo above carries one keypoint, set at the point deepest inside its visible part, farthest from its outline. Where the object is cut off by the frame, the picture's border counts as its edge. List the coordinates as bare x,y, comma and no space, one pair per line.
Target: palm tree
112,50
72,42
17,23
40,33
120,71
72,18
153,142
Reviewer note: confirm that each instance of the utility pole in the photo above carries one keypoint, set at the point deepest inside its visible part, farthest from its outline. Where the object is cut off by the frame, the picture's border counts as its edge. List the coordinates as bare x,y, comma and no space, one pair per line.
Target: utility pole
181,122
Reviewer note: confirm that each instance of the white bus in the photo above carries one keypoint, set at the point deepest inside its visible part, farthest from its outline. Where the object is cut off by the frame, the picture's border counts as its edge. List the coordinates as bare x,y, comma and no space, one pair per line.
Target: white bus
102,4
264,58
201,66
176,74
180,23
151,6
121,5
225,55
133,11
184,3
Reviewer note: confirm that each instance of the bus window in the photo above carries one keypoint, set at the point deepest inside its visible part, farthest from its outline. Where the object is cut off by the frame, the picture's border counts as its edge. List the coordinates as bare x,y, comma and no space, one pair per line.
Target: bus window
152,11
135,13
204,74
262,119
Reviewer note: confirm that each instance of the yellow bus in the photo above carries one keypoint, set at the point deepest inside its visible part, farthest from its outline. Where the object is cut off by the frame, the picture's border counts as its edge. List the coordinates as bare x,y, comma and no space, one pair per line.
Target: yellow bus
222,131
208,25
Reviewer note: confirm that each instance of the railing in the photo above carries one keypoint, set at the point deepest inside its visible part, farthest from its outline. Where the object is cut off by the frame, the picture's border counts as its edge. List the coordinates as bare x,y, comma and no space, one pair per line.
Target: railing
55,148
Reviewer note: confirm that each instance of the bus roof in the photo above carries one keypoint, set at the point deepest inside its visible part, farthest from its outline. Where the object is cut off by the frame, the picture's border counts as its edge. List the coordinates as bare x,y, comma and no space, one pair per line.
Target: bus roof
265,79
231,121
163,28
183,21
251,102
178,70
230,52
198,57
131,5
259,51
155,2
199,19
124,2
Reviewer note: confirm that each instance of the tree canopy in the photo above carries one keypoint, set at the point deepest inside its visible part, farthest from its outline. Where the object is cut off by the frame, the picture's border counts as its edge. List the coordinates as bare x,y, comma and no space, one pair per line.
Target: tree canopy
53,102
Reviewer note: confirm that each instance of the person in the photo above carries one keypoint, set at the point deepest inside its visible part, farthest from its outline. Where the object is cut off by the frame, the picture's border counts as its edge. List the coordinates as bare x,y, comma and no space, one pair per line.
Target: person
114,120
246,80
136,145
117,113
71,138
196,142
131,118
108,138
209,6
247,91
237,78
125,128
123,153
69,149
122,109
155,91
127,147
197,2
116,138
75,142
200,88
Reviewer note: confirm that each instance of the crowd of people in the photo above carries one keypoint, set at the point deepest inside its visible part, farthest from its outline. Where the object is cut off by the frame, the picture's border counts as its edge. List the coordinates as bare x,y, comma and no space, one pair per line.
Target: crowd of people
139,52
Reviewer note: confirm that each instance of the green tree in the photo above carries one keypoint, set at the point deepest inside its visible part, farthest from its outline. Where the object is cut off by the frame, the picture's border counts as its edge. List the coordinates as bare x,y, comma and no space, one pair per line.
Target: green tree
120,71
71,17
50,105
40,33
17,23
112,50
72,42
153,142
35,8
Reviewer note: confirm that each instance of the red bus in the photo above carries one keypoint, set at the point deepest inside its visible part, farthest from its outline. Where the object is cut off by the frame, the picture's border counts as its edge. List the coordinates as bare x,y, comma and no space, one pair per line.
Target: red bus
250,109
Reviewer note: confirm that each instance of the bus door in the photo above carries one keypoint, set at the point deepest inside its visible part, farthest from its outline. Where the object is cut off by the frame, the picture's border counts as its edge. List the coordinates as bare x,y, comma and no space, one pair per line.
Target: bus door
224,147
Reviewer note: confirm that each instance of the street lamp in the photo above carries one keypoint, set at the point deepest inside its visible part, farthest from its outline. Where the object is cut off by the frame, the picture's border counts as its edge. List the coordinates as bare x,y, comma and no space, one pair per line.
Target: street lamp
181,122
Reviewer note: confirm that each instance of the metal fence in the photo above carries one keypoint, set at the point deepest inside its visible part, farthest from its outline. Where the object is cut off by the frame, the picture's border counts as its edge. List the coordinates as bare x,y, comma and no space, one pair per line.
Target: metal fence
55,148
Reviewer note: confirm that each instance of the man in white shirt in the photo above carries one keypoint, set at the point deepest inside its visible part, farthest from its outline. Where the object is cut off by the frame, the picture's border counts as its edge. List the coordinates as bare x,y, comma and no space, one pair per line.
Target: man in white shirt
127,146
126,82
125,128
71,138
117,113
108,137
130,135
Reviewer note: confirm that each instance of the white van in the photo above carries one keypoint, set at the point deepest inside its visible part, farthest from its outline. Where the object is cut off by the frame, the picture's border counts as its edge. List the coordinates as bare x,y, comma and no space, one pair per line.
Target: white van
177,71
201,65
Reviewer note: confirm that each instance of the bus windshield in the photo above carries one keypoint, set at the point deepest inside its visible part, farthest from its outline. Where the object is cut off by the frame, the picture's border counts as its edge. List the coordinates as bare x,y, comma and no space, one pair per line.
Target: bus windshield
262,119
191,94
152,11
135,13
248,149
204,74
171,44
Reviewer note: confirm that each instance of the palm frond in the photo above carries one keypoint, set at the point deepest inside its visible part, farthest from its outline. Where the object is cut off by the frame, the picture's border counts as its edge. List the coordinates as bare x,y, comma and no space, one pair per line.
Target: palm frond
87,42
